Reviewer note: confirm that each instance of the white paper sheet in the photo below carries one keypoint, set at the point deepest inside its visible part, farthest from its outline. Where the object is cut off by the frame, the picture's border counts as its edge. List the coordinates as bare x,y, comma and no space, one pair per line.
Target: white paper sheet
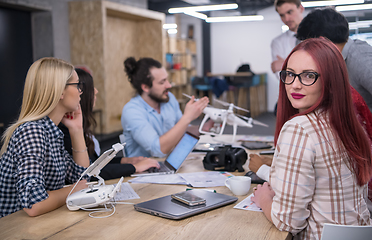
206,179
247,204
257,138
126,193
160,179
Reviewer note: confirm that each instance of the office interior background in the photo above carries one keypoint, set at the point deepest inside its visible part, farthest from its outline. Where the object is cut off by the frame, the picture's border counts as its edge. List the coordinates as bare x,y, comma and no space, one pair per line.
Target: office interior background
31,29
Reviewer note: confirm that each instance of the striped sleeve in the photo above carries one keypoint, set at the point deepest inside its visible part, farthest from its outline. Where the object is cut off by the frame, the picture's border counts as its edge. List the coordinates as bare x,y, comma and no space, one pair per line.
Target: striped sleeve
293,178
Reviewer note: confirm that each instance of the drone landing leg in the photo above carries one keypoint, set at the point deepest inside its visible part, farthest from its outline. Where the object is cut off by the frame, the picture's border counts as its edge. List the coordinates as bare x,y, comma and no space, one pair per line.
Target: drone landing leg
234,132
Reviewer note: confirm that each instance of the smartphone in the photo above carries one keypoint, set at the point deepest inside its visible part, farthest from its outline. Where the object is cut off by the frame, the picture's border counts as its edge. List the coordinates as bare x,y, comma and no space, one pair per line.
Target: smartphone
188,198
254,178
268,152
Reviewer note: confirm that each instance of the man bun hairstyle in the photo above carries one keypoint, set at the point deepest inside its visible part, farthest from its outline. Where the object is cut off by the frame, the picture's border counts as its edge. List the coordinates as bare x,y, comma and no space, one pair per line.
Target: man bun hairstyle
130,66
138,72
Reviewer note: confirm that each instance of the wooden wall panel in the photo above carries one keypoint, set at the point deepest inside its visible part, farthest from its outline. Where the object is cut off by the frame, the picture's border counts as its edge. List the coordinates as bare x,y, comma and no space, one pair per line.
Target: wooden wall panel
86,40
150,40
120,39
102,35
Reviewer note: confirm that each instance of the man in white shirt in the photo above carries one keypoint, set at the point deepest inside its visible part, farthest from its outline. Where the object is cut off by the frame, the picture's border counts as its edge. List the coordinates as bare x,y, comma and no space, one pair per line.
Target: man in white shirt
290,11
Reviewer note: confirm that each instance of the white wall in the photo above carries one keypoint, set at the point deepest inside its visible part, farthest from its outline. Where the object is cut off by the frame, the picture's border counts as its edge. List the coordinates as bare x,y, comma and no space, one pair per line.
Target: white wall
233,44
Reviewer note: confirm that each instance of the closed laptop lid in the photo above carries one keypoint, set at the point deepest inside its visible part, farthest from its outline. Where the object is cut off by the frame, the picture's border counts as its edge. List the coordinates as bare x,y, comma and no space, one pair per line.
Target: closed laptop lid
181,151
169,208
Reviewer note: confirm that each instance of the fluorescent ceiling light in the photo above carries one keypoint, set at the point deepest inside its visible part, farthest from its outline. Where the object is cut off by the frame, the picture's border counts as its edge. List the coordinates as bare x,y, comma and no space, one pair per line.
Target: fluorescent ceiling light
360,24
235,18
204,8
196,14
330,3
354,7
169,25
172,31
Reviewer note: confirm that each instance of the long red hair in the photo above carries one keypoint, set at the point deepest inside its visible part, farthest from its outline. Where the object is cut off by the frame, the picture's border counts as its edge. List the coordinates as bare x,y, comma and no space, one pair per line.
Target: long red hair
336,100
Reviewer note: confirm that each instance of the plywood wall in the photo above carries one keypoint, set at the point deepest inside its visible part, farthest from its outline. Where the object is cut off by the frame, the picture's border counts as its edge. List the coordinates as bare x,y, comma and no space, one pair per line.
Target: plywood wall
86,40
115,32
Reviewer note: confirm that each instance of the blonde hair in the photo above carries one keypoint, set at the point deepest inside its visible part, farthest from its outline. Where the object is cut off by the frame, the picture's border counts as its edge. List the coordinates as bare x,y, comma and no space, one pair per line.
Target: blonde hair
45,81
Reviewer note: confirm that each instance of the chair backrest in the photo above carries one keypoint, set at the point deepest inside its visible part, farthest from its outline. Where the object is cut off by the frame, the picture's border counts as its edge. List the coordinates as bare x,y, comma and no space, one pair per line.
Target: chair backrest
346,232
122,140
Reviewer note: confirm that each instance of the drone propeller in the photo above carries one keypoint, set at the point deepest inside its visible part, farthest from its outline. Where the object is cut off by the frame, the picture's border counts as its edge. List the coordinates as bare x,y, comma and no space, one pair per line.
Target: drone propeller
253,121
186,95
196,99
228,104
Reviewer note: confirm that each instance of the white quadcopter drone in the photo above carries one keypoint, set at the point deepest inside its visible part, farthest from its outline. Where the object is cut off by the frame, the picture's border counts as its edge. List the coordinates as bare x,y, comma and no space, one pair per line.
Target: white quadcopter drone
221,117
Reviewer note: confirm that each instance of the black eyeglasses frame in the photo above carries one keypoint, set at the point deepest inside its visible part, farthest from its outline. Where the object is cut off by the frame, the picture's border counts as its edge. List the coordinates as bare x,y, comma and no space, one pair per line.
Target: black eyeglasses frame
79,85
297,75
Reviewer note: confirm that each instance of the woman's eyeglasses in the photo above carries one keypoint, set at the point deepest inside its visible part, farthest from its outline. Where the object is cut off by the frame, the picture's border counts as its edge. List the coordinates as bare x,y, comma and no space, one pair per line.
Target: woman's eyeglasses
306,78
79,85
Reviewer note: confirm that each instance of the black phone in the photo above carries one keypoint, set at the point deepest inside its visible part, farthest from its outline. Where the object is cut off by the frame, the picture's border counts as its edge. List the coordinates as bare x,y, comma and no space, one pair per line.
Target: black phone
254,178
188,198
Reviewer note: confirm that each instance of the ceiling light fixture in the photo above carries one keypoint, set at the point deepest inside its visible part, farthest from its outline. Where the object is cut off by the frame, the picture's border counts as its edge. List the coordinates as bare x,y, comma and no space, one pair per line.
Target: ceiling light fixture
330,3
235,19
360,24
354,7
196,14
204,8
172,31
169,25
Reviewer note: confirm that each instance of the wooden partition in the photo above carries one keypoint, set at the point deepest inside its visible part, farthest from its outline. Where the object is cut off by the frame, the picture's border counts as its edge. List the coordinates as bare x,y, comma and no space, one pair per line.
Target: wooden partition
102,35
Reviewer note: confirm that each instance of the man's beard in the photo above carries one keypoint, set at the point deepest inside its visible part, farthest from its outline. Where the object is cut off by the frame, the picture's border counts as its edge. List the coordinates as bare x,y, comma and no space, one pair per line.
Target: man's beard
158,98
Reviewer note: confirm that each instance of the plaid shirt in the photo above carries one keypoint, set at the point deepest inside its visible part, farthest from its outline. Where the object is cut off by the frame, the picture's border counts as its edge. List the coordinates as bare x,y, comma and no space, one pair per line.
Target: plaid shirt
35,162
312,182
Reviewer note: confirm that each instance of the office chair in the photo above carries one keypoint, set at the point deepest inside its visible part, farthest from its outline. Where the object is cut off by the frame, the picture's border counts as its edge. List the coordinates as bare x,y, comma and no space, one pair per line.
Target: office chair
346,232
122,140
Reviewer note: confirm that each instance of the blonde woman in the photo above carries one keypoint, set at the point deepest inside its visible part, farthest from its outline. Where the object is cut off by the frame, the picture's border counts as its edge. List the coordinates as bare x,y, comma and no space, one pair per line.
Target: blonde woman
34,166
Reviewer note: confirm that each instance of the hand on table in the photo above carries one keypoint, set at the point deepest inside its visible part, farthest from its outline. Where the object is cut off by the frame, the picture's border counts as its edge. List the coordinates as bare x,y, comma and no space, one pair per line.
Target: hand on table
131,160
145,164
263,194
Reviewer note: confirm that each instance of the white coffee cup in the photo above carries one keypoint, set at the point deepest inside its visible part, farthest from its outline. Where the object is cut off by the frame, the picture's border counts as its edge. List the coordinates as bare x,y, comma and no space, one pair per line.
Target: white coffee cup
239,185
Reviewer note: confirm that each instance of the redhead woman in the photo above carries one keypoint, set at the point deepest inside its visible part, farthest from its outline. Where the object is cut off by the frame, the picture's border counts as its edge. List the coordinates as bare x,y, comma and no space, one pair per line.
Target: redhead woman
322,162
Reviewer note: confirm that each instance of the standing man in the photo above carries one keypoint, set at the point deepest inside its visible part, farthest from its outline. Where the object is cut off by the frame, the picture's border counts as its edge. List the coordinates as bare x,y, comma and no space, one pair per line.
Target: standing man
152,121
290,11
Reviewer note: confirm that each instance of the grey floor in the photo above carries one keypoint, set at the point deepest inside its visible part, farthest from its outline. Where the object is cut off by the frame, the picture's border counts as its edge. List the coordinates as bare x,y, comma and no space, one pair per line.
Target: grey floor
106,141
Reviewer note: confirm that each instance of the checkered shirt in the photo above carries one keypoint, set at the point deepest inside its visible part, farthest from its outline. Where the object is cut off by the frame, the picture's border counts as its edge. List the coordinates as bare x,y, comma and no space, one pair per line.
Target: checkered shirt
312,182
35,162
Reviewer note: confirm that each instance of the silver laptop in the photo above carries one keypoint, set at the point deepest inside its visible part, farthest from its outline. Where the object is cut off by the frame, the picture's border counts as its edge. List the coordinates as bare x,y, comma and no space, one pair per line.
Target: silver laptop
175,158
167,207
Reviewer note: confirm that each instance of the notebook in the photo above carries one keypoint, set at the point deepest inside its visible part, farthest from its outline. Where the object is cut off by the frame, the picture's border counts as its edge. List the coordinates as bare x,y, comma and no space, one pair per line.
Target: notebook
175,158
167,207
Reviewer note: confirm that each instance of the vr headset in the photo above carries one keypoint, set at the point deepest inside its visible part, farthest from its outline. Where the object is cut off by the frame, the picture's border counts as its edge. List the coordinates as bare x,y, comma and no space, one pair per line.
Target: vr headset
225,158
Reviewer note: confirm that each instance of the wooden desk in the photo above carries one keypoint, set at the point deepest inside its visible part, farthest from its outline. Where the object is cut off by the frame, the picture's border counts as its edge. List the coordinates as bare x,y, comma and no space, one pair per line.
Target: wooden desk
126,223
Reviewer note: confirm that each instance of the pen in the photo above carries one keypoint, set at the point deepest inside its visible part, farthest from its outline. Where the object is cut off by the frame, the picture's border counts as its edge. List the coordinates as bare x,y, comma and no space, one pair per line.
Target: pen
209,190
